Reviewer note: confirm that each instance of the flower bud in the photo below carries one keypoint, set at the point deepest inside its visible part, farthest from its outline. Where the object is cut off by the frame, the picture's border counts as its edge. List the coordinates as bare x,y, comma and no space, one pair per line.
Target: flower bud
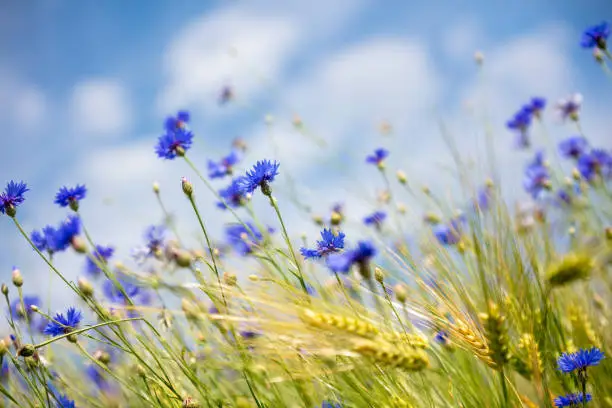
608,234
400,293
27,350
73,338
379,275
183,258
5,289
78,244
253,278
34,308
598,55
479,58
3,347
85,287
336,218
401,177
187,187
102,356
17,278
156,187
230,279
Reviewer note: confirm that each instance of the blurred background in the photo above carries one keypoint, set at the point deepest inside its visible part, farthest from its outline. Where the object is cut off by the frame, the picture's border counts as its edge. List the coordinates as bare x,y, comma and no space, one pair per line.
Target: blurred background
85,87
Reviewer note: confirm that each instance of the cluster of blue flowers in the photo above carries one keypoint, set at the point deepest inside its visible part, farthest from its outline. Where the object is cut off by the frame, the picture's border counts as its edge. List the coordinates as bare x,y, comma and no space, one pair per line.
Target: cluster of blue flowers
177,138
578,362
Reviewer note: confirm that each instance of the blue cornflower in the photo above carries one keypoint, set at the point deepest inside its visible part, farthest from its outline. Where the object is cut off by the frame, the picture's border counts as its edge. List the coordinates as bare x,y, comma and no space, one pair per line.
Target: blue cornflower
224,167
378,157
340,263
243,238
154,236
178,122
596,36
101,254
12,197
442,337
537,176
64,324
521,121
596,162
361,255
536,106
134,292
569,107
64,402
580,360
52,239
45,240
233,195
329,404
70,196
572,400
173,144
261,175
483,198
363,252
376,219
70,227
96,375
573,147
28,301
328,244
447,234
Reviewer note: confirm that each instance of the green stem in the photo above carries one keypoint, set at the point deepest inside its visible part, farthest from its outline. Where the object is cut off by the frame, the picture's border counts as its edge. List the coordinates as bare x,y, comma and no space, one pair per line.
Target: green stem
54,339
300,276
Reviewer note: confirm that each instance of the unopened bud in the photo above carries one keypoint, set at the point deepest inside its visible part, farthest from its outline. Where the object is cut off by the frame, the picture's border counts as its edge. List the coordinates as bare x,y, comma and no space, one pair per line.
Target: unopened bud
183,258
156,187
73,338
187,187
3,347
379,275
401,177
85,287
400,293
78,244
297,121
425,190
380,165
336,218
5,289
10,210
34,308
27,350
479,57
102,356
608,233
253,278
401,208
318,220
230,279
17,278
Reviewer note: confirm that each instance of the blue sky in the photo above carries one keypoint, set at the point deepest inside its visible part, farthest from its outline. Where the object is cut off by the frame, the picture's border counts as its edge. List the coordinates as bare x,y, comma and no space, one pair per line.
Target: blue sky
84,88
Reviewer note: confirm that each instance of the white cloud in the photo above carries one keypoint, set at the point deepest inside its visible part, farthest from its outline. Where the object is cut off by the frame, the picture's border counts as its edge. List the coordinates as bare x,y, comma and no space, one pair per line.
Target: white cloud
231,47
100,107
29,108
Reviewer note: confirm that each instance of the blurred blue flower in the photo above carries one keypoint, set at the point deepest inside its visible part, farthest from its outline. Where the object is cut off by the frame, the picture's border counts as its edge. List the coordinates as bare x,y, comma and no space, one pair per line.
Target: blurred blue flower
378,157
340,263
596,162
580,360
537,177
536,105
329,404
28,301
328,244
596,36
226,95
233,195
96,375
173,144
154,236
573,147
64,402
447,234
174,123
260,175
569,107
70,196
571,400
101,254
12,196
224,167
64,324
243,238
442,337
521,121
375,219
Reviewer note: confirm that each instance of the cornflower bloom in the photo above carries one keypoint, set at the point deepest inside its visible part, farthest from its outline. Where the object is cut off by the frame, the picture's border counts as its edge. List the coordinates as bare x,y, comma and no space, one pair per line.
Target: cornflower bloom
12,197
64,324
328,244
70,196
